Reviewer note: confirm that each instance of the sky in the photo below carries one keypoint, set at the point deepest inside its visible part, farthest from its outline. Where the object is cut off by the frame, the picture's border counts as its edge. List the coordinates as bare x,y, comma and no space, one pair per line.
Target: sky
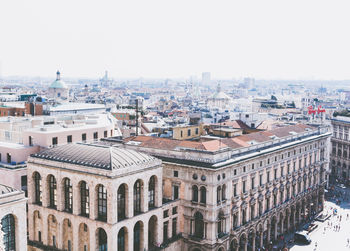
271,39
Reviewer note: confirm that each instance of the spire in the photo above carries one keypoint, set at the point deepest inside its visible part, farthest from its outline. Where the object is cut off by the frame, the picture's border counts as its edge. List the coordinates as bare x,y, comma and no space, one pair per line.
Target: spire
58,75
218,88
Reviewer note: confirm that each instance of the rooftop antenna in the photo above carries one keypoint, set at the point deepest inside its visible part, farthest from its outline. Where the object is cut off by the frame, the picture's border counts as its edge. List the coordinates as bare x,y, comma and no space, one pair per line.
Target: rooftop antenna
137,116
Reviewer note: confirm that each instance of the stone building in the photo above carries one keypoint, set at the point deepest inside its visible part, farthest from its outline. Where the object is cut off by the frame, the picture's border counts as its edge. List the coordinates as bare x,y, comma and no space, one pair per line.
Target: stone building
96,197
340,158
13,222
241,193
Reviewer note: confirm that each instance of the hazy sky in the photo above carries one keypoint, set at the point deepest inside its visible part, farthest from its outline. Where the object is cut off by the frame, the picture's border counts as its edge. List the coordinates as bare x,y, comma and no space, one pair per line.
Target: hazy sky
179,38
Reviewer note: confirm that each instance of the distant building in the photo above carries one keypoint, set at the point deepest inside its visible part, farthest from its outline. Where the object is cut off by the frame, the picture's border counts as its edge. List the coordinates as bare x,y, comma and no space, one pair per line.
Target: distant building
58,89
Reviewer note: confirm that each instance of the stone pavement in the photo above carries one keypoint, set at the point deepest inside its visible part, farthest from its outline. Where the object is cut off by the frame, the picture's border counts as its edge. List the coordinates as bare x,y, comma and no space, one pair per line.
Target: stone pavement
326,237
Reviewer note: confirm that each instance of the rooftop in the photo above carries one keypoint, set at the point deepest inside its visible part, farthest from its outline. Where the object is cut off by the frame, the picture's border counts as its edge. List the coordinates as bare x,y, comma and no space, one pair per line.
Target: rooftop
5,189
97,156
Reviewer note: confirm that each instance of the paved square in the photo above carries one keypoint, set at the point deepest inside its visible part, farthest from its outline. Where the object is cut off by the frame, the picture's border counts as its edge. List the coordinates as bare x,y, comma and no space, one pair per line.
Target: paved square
330,239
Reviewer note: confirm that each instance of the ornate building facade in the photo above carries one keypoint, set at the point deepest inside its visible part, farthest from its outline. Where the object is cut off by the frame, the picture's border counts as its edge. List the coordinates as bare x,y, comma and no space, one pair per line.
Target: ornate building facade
340,155
242,193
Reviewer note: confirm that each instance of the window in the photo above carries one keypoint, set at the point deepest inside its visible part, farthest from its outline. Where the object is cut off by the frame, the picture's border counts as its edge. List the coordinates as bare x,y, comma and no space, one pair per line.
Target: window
223,197
68,195
198,225
235,172
194,193
218,194
244,188
102,240
121,240
181,134
8,231
39,236
189,132
253,166
9,158
95,135
197,131
54,141
203,191
175,192
30,140
275,174
166,214
176,173
274,199
137,236
84,199
37,188
268,176
151,192
174,227
83,137
52,192
244,169
24,184
174,210
165,230
260,180
137,197
69,139
282,171
121,202
101,203
261,163
235,190
105,134
252,182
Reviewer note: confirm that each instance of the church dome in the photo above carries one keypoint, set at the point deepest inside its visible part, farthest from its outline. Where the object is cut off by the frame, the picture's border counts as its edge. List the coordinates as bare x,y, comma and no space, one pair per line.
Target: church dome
58,83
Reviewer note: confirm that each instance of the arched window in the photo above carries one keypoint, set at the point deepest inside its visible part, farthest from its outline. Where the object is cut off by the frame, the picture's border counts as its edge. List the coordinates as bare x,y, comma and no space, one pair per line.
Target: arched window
102,203
221,224
203,195
8,230
198,225
121,239
223,192
102,240
37,188
84,199
151,192
121,202
137,197
218,194
52,192
195,193
68,195
137,237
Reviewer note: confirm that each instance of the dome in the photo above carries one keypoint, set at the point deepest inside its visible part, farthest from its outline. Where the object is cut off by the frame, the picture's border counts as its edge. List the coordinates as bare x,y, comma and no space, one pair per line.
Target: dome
58,83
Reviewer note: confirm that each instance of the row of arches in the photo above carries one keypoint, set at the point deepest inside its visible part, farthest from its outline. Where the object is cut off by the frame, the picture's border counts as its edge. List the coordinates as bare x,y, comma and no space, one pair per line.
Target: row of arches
62,237
101,196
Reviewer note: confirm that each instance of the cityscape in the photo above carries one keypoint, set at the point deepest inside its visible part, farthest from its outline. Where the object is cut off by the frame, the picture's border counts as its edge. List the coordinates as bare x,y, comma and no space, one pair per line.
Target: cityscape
162,126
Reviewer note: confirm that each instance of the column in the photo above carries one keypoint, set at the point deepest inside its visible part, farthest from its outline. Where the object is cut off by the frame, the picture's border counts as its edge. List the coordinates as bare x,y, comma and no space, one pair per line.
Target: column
145,235
288,222
268,232
253,242
282,226
92,237
75,236
93,202
44,233
144,206
261,239
245,245
30,226
275,232
130,200
44,191
60,194
76,199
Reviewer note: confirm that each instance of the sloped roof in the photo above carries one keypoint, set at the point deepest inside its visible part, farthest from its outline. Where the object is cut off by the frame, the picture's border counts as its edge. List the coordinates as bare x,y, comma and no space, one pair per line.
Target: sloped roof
6,189
97,156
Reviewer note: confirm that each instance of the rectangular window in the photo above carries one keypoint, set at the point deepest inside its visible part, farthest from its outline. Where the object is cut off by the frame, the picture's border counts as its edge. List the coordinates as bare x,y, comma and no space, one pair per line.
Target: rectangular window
275,176
95,135
165,230
105,134
197,131
39,236
174,210
54,241
83,137
288,168
244,186
174,227
260,180
69,139
268,176
176,173
175,192
253,185
24,184
9,158
235,190
30,140
234,171
54,141
189,132
166,214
